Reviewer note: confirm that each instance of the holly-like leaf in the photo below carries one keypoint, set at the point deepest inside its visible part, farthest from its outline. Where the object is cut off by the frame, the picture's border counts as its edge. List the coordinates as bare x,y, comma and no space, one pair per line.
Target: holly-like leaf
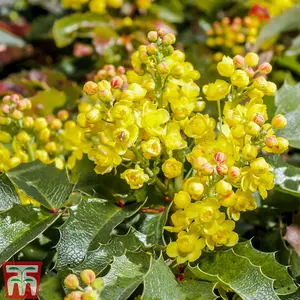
288,20
287,98
125,275
160,282
19,226
43,183
197,290
239,274
51,288
8,193
89,225
287,177
294,296
65,30
284,283
48,100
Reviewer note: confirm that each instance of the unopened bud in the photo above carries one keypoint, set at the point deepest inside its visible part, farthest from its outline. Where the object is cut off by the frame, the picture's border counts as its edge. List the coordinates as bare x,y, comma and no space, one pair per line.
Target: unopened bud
250,72
56,124
14,98
279,121
177,71
199,106
222,169
71,282
223,187
239,61
23,137
93,116
74,296
265,68
4,120
63,115
252,128
40,123
87,276
17,115
152,36
270,89
249,152
207,169
90,88
152,49
116,82
5,108
51,147
260,83
169,39
121,70
234,173
271,141
161,32
259,119
219,157
251,59
163,68
6,100
259,166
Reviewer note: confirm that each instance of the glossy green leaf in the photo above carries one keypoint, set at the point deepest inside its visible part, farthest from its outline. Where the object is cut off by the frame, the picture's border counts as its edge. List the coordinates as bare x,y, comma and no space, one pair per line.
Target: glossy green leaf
19,226
49,99
238,273
89,225
197,290
51,288
65,30
125,275
44,183
288,20
287,177
8,193
287,98
160,282
284,283
10,39
294,296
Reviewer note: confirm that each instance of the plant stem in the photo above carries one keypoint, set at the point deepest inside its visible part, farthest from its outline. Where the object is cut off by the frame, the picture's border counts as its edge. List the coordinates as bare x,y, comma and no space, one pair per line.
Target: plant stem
30,151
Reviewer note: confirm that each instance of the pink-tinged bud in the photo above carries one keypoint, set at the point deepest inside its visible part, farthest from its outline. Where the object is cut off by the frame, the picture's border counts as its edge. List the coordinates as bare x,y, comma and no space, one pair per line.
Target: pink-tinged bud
152,49
90,88
87,276
271,141
71,282
121,70
82,50
163,68
116,82
237,20
234,173
250,72
265,68
279,121
207,169
14,98
56,124
239,61
5,108
23,104
222,169
74,296
161,32
6,99
169,39
152,36
219,157
101,74
259,119
63,115
225,21
17,115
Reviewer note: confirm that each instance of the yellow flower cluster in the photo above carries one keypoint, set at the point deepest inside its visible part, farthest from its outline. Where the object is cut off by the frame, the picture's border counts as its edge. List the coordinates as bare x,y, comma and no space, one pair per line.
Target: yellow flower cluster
25,136
230,36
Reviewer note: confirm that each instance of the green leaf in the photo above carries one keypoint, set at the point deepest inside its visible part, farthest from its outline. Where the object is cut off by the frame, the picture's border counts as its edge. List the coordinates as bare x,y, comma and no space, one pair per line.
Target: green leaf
288,20
284,283
169,11
10,39
65,30
49,99
287,98
44,183
160,282
8,193
125,275
294,296
90,224
19,226
287,177
239,274
294,48
50,288
197,290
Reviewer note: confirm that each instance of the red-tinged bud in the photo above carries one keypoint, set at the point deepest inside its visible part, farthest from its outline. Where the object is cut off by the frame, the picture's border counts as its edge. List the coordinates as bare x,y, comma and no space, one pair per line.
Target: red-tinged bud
250,72
163,68
271,141
237,20
14,98
279,121
120,203
90,88
225,21
87,276
229,200
6,100
239,61
265,68
259,119
152,49
82,50
161,32
121,70
207,169
56,124
116,82
63,115
222,169
260,12
71,282
152,36
169,39
234,173
74,296
5,108
17,115
219,157
260,83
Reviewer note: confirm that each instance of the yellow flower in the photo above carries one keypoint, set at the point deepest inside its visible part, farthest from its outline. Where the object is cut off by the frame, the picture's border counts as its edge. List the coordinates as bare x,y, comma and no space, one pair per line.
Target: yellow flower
151,148
216,91
182,199
194,187
135,177
105,158
179,220
226,66
172,168
172,137
200,127
239,78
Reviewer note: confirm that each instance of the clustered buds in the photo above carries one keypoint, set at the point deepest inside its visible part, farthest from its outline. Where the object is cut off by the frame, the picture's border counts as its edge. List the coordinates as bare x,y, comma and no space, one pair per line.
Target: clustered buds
92,290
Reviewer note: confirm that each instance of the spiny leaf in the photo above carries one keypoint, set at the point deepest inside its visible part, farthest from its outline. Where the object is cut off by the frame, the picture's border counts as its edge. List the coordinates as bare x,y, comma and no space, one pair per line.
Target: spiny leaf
125,275
294,296
43,183
287,98
197,290
90,224
19,226
160,282
8,193
284,284
238,273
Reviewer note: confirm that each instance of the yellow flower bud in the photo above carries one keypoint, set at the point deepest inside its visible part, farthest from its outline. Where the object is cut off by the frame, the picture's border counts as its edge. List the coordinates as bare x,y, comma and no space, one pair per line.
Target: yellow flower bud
23,137
5,137
76,295
260,83
234,173
283,144
239,78
265,68
223,187
93,116
84,107
51,147
44,135
40,123
135,177
279,121
252,128
56,124
182,199
222,169
59,164
194,187
90,88
71,282
238,131
104,91
81,120
226,66
28,122
172,168
270,89
249,152
17,114
259,166
87,276
251,59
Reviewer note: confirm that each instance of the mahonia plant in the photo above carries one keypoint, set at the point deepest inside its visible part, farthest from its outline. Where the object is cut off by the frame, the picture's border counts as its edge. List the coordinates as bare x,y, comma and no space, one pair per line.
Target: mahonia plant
149,122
